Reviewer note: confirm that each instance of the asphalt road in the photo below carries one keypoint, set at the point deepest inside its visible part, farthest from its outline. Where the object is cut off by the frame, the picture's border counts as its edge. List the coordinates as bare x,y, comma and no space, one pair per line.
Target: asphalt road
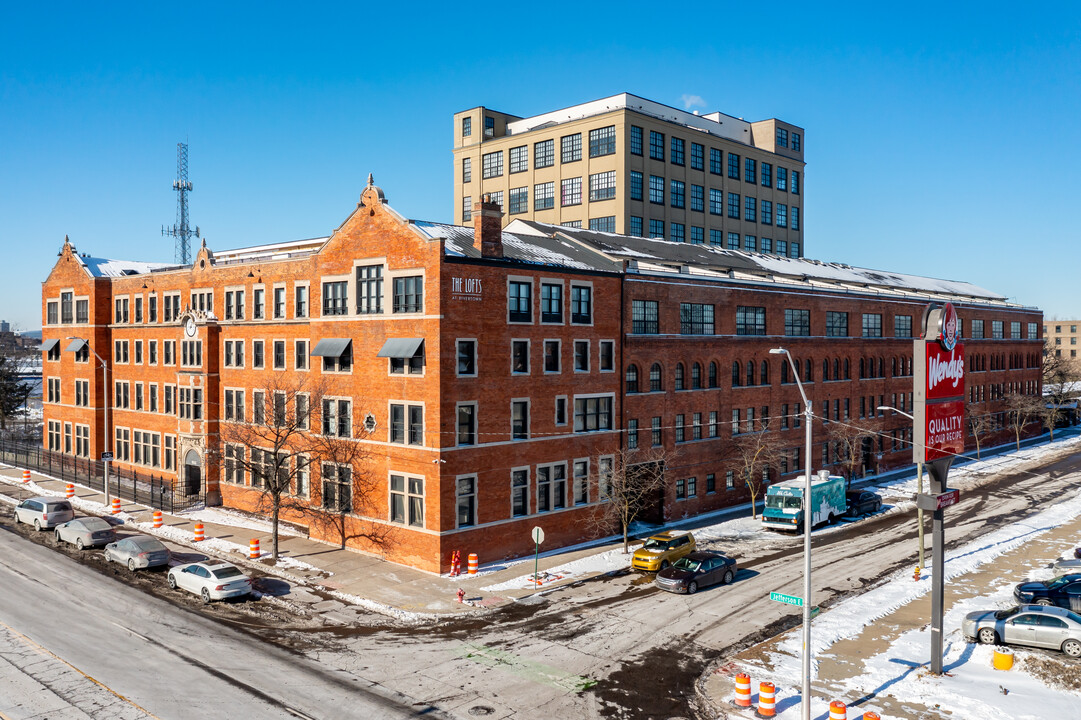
70,635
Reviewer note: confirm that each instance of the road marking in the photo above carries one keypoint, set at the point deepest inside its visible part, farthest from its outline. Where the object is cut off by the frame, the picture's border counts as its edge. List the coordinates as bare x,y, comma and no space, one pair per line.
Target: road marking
41,649
537,672
129,630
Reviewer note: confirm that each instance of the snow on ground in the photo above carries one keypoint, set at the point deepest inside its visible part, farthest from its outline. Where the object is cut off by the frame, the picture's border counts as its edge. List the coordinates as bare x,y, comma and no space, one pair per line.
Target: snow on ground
225,516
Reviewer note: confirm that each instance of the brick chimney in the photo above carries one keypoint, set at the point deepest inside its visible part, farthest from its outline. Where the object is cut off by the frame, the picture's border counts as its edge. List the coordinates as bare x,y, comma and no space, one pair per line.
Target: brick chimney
488,227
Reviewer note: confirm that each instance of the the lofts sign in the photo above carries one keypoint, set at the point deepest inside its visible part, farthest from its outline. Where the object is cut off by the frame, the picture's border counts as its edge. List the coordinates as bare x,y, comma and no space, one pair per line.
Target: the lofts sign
939,386
464,288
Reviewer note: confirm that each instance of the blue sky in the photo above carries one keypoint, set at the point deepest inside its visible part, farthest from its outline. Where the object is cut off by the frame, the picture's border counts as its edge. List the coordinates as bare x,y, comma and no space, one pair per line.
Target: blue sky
940,139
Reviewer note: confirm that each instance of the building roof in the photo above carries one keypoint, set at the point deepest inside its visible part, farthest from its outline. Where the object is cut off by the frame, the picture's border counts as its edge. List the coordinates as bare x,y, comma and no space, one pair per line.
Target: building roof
530,248
654,256
102,267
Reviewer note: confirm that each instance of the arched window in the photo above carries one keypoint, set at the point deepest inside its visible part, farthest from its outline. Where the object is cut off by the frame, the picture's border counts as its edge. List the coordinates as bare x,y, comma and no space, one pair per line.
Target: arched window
893,366
763,375
696,377
863,369
712,374
848,375
809,371
679,376
750,372
655,383
826,369
632,378
737,379
881,367
836,369
784,372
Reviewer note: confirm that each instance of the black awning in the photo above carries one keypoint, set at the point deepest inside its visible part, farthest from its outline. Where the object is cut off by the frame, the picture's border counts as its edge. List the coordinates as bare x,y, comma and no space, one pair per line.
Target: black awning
400,347
331,347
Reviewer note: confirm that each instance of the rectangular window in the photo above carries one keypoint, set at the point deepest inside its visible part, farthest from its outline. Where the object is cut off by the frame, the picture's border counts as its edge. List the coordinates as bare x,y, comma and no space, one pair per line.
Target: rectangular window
636,185
467,358
716,159
519,357
581,304
677,194
750,320
733,206
407,424
836,324
677,232
581,356
656,228
467,208
733,241
632,434
681,431
698,156
279,354
519,301
656,434
519,159
561,410
335,298
467,170
1015,330
603,224
279,302
592,414
1033,331
902,326
519,491
782,137
795,184
677,151
695,319
749,170
636,140
698,235
767,213
467,424
369,289
656,190
519,201
409,294
767,245
257,359
782,215
750,212
544,196
767,175
519,420
602,141
977,329
551,356
996,329
733,166
602,186
551,303
407,500
644,317
795,141
872,325
782,179
716,202
467,501
607,355
544,154
570,191
698,198
797,322
492,164
570,148
656,145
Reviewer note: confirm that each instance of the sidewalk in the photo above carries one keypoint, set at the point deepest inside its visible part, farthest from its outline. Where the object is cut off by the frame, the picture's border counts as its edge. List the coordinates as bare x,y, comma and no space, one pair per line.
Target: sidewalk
351,576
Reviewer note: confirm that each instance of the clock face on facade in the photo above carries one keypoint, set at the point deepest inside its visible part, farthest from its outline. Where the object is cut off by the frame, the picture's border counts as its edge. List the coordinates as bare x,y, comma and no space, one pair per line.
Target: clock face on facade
189,327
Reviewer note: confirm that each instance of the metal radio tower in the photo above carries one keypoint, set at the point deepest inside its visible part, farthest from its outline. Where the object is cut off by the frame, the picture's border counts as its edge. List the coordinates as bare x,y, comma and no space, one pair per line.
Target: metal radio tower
181,231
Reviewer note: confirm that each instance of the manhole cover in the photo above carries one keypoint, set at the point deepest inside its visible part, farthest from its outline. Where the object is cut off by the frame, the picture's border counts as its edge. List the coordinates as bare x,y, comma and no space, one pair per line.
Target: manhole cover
481,710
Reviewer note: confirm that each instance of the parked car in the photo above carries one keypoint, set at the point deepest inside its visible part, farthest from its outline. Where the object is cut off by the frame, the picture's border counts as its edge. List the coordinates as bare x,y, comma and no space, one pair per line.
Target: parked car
139,551
862,502
1065,567
1063,592
696,570
43,512
210,580
85,532
662,549
1033,625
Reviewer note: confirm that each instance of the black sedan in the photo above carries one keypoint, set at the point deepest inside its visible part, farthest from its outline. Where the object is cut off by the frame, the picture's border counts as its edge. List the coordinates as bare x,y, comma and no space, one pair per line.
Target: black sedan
695,570
1064,592
862,502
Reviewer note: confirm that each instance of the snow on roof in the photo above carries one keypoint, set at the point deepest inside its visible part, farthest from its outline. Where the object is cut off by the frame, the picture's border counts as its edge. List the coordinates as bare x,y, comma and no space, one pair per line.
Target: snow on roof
101,267
272,251
530,247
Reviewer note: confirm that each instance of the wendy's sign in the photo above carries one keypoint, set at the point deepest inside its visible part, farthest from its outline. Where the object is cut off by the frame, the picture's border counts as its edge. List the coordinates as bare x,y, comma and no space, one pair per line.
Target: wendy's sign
939,386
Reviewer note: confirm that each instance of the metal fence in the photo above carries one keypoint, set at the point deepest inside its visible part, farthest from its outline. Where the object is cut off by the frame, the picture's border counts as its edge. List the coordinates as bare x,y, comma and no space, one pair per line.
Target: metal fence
145,489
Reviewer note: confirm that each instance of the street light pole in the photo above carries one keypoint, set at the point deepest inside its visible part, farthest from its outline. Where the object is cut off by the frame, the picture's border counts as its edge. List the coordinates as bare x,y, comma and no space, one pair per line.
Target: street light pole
919,484
108,394
808,416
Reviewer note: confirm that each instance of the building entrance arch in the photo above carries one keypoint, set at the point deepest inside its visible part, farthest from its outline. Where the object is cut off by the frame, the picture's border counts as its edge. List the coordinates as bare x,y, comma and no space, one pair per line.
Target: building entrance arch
193,473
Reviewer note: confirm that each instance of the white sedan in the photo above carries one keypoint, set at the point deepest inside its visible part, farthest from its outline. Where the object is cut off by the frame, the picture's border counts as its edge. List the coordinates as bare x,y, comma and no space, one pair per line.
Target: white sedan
210,580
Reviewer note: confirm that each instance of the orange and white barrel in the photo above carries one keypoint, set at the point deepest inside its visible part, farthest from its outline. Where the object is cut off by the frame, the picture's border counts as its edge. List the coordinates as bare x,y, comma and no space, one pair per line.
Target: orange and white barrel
26,476
200,532
767,704
473,563
253,549
743,690
157,518
69,491
838,710
871,716
116,506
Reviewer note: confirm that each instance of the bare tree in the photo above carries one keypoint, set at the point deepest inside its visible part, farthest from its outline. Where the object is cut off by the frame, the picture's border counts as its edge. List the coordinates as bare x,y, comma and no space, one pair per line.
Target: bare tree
348,492
753,454
981,426
1061,386
278,448
848,438
632,484
1021,410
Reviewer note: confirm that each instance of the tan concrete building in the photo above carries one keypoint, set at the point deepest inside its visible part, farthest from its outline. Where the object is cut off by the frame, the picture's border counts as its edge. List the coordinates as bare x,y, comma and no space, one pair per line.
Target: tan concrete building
1063,338
627,165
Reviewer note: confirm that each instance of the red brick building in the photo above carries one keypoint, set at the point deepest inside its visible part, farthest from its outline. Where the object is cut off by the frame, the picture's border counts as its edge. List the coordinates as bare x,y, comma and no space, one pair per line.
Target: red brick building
493,374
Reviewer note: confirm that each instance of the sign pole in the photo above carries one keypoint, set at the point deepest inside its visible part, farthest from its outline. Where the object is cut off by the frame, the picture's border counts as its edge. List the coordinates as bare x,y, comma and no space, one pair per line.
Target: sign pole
538,537
919,511
938,471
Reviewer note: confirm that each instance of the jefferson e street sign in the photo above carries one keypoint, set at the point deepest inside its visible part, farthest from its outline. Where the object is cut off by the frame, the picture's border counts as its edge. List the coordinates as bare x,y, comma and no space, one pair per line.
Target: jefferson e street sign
786,599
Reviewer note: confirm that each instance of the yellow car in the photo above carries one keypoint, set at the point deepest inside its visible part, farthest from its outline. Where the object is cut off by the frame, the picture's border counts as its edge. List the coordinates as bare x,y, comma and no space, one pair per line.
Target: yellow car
662,549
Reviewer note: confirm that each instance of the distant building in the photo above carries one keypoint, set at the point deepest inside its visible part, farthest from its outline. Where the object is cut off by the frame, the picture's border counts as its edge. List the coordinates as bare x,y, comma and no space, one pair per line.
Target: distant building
494,374
1062,337
628,165
5,326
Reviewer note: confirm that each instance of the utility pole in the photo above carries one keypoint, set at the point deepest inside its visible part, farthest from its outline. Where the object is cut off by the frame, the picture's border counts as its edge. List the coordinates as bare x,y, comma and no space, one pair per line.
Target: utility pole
181,230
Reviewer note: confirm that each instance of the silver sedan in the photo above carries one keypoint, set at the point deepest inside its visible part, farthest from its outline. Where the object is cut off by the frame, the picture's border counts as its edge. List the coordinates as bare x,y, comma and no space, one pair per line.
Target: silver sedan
1065,567
85,532
1040,626
139,551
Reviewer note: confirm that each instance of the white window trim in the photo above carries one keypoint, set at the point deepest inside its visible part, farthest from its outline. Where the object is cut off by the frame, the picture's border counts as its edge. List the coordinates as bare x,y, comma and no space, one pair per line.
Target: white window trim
600,344
529,357
568,410
307,351
559,343
587,481
602,496
388,290
529,418
388,287
476,357
285,353
533,300
476,423
564,302
476,498
551,482
589,356
592,302
285,302
529,492
424,416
